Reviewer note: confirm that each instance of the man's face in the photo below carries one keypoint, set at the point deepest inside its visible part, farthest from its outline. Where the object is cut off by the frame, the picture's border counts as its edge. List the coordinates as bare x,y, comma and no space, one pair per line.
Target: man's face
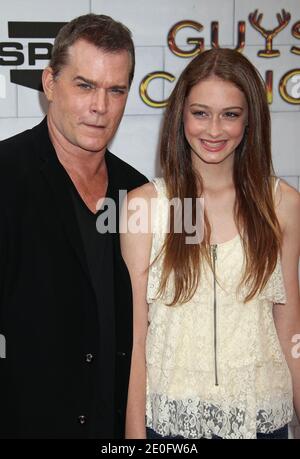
88,96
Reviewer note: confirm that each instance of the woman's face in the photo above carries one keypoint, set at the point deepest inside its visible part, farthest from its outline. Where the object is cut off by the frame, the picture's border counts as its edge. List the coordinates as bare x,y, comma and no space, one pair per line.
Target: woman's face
215,116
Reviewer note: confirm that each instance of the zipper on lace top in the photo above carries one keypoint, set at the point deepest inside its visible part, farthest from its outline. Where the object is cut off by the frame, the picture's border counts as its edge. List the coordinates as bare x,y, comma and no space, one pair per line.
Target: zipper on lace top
214,248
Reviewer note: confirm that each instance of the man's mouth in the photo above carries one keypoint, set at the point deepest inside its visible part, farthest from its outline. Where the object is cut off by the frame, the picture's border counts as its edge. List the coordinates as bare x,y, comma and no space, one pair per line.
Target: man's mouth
95,126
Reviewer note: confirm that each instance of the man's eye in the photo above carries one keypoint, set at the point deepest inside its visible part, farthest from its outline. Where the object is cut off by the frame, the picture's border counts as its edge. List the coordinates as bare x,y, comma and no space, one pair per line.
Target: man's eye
84,86
118,90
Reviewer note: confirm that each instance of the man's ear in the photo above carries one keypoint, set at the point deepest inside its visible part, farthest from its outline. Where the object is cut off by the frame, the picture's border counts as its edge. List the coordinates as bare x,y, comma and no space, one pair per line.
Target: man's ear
48,83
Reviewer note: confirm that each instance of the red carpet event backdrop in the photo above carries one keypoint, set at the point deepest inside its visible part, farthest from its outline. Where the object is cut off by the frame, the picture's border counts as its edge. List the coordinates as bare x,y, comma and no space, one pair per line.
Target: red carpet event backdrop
167,35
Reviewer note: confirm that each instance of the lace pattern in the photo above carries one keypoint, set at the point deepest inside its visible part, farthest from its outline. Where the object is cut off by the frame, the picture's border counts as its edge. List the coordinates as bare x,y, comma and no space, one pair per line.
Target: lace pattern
193,418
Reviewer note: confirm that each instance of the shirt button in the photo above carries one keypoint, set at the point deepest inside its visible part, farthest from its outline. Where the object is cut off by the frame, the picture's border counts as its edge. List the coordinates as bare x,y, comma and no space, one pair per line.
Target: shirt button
121,354
89,358
82,419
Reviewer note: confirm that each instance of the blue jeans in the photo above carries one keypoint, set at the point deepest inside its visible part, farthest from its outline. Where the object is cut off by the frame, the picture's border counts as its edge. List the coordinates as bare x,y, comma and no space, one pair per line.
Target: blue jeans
281,433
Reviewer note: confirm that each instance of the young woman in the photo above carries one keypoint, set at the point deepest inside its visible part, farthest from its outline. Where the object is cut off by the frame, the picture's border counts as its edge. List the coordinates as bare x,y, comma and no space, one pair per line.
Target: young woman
214,321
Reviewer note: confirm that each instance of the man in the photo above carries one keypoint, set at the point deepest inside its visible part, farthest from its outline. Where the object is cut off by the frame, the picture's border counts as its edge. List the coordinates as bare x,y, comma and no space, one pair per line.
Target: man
65,305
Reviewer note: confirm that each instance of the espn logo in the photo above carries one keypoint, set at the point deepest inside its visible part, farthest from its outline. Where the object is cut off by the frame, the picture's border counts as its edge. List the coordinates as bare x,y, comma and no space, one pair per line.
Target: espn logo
12,53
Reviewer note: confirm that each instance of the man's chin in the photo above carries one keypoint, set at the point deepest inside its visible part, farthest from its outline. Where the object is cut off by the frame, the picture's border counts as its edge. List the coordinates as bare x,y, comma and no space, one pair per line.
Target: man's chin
92,147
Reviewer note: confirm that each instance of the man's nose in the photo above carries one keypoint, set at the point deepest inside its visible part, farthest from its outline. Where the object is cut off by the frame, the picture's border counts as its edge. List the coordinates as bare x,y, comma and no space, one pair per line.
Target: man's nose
99,101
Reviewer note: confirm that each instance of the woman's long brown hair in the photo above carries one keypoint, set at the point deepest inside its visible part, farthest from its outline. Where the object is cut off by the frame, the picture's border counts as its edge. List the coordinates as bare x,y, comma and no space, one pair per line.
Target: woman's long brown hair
253,177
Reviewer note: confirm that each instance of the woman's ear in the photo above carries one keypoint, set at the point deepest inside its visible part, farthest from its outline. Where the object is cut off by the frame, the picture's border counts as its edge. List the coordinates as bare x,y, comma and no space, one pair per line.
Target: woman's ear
48,83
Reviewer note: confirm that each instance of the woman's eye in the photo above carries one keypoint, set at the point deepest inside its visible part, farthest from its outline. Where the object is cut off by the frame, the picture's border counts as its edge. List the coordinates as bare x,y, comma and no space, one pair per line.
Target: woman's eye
199,113
231,114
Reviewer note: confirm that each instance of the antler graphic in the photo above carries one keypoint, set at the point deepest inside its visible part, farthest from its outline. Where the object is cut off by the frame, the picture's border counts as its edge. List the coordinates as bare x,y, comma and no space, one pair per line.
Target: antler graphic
282,23
283,20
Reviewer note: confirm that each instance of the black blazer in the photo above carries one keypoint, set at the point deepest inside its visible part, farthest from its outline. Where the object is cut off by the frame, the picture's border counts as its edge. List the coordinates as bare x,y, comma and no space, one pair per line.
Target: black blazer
67,362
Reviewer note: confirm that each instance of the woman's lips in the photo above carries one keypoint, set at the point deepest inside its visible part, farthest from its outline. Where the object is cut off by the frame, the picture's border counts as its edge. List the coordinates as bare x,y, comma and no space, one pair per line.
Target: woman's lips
214,146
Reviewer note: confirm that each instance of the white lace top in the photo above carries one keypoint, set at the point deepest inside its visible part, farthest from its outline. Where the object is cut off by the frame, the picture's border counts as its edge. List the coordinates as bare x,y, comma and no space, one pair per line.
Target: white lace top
214,368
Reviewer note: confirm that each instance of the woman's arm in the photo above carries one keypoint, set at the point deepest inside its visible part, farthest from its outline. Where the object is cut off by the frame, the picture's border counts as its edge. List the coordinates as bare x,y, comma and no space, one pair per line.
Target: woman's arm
136,251
287,317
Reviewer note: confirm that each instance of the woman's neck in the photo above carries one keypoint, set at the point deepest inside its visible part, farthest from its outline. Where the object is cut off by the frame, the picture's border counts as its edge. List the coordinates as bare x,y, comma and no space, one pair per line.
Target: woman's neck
215,176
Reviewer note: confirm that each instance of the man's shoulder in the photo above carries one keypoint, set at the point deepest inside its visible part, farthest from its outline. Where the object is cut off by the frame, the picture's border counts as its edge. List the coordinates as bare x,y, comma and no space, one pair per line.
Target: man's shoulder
124,174
13,144
15,149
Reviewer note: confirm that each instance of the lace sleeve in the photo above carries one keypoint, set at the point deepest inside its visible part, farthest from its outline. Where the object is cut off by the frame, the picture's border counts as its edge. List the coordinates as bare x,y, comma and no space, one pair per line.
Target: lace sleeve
275,290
